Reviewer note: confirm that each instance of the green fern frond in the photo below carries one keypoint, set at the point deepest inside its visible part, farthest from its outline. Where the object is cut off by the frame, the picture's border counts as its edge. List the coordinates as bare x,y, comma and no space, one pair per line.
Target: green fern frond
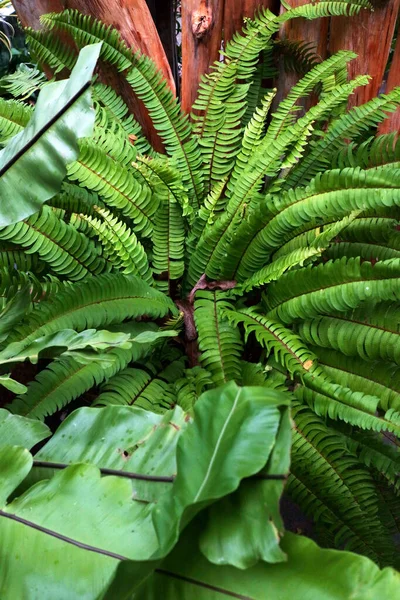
120,245
219,342
20,261
66,251
150,388
221,105
251,139
348,126
112,106
296,56
276,269
373,450
191,386
288,348
50,50
86,30
116,186
93,304
215,253
75,199
173,127
14,116
146,81
12,280
381,151
353,408
330,287
331,195
352,338
165,180
66,379
169,243
369,377
23,82
334,488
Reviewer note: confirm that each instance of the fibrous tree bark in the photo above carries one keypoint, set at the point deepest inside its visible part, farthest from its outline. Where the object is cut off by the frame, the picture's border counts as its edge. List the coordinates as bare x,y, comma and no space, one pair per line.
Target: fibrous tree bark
201,42
369,35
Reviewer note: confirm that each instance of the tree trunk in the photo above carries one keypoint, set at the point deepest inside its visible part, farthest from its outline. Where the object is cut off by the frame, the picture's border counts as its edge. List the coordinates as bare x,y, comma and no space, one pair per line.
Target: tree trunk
393,122
201,42
369,35
237,10
314,33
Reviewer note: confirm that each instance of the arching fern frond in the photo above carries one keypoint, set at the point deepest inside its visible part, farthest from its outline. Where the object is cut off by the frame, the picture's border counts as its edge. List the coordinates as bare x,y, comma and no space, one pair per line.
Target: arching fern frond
116,186
66,251
150,388
120,245
95,303
116,111
288,348
14,116
334,488
331,195
168,243
146,81
23,82
333,286
369,377
67,379
50,50
347,126
369,342
219,341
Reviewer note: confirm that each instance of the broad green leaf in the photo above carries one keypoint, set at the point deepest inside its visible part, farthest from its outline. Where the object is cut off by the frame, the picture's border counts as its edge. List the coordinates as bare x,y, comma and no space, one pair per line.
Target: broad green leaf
64,537
231,438
246,526
78,507
13,312
84,346
124,438
15,464
21,431
10,384
67,342
310,573
33,164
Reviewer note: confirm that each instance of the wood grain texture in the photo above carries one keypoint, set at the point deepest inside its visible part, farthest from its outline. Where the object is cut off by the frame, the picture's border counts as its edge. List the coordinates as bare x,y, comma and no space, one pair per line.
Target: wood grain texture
301,30
202,22
29,11
237,10
393,80
369,34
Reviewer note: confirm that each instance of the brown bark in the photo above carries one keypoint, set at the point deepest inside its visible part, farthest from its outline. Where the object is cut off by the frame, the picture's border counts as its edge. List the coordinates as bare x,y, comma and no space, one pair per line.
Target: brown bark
393,122
301,30
237,10
201,42
369,34
132,19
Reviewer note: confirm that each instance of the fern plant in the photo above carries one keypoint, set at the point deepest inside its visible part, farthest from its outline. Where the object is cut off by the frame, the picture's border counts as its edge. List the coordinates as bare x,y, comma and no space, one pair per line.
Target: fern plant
262,248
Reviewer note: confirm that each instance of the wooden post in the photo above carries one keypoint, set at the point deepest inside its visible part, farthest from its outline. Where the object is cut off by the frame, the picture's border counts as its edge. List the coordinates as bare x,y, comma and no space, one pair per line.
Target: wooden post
237,10
392,123
201,42
301,30
369,34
